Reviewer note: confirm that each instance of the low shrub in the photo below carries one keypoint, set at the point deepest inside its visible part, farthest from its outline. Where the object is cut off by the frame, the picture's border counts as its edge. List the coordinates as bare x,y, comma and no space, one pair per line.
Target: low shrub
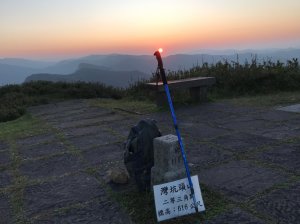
16,98
232,80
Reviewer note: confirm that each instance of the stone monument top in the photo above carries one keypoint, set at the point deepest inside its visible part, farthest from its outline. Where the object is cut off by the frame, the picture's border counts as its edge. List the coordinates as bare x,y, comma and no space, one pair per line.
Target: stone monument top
168,163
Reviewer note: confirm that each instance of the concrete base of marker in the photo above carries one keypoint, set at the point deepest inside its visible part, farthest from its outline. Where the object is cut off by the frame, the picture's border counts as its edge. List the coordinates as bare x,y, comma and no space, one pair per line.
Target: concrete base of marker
168,163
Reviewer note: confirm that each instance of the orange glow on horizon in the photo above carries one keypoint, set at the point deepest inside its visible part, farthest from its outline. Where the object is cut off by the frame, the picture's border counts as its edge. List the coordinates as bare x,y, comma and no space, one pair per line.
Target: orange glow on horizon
136,27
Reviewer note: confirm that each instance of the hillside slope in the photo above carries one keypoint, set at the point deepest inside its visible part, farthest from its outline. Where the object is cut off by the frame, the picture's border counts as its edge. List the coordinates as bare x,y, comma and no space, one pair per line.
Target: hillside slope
90,73
11,74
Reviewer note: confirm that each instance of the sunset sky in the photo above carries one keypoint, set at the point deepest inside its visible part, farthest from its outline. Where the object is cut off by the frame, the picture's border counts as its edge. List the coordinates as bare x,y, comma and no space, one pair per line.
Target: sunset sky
64,28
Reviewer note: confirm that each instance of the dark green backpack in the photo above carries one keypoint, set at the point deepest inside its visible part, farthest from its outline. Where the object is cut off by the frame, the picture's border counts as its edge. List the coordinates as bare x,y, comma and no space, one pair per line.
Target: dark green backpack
138,155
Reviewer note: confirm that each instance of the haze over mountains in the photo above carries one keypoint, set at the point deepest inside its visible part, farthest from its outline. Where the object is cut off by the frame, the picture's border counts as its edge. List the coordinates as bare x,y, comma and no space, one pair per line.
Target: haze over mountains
121,70
92,73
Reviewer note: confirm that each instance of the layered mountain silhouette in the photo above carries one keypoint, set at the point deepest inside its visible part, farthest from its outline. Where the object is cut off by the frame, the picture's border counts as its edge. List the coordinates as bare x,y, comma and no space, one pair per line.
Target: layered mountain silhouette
92,73
97,68
12,74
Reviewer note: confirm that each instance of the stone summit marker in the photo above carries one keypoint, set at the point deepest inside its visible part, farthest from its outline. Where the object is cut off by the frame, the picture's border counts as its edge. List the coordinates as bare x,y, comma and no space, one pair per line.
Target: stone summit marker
168,164
172,193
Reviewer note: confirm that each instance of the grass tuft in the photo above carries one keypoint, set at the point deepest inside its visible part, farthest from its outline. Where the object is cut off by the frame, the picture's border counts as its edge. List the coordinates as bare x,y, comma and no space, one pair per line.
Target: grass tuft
126,104
21,127
267,100
141,207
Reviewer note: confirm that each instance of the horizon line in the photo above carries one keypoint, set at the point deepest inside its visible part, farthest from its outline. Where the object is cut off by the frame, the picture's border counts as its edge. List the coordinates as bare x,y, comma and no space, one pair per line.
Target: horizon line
209,51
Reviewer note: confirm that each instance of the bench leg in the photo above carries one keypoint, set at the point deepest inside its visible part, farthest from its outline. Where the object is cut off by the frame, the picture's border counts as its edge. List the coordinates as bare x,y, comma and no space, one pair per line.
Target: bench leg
199,94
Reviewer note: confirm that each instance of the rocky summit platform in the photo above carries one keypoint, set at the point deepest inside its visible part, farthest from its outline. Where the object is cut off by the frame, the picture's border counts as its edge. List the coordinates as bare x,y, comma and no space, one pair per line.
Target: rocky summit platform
249,156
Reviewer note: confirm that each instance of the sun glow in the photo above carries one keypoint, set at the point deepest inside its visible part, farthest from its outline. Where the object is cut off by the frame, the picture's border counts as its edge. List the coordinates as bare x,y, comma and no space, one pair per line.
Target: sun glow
48,27
160,50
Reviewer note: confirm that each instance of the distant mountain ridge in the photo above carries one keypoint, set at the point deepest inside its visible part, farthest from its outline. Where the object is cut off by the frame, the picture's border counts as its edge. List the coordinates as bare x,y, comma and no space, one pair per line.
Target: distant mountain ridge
16,70
12,74
33,64
92,73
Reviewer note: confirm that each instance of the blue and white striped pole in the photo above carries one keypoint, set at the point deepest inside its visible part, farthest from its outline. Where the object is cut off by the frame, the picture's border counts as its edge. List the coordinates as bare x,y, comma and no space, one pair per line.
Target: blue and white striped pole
164,79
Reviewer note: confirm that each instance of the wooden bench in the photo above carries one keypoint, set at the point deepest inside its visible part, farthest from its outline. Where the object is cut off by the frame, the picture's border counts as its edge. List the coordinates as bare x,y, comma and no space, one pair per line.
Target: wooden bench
197,87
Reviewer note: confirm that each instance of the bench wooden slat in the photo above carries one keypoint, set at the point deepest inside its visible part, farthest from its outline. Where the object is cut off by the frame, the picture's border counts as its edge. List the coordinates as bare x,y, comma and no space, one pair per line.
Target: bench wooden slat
184,83
197,88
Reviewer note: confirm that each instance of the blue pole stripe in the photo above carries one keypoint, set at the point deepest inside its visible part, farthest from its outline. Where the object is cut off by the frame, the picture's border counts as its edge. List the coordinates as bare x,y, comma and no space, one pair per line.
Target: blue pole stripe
180,143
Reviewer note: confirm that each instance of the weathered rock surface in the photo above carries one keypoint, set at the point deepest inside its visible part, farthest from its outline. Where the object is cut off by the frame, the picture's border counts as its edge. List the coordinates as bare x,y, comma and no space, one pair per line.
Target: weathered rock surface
249,156
117,176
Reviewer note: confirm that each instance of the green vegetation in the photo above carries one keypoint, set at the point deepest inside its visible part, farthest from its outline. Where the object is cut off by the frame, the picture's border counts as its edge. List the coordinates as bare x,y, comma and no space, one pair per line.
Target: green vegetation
133,201
21,127
9,132
16,98
234,80
281,98
266,84
126,104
